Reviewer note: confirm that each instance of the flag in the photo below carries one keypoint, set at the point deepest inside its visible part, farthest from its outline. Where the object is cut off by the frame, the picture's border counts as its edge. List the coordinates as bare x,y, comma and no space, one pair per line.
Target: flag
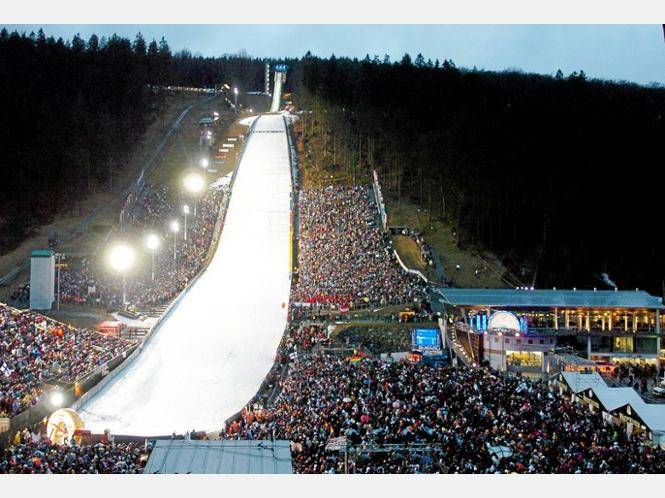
336,443
5,369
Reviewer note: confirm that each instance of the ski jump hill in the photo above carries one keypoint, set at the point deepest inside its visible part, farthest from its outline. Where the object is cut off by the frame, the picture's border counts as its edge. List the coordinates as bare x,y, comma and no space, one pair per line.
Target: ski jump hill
210,354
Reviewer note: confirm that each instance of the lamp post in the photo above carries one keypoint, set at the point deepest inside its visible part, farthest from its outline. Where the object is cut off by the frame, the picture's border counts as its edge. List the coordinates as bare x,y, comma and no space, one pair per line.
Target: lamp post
185,210
175,228
193,183
59,258
152,243
235,96
204,163
121,258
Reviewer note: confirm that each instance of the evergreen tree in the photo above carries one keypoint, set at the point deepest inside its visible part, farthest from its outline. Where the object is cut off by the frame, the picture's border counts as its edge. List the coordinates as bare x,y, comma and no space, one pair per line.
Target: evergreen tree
139,46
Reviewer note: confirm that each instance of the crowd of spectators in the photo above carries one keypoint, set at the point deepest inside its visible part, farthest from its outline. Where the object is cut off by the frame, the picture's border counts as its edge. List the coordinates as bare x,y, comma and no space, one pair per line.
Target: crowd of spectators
344,256
156,206
35,350
21,294
89,281
442,419
299,338
419,239
378,339
639,377
38,455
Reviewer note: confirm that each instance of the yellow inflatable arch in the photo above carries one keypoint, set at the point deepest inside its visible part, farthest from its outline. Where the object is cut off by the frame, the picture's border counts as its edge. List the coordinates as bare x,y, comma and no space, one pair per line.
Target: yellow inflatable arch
61,425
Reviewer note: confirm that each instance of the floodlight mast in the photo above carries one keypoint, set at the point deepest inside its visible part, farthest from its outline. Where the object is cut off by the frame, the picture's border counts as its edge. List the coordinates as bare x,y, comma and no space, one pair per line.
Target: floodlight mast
175,228
194,184
185,210
121,258
152,243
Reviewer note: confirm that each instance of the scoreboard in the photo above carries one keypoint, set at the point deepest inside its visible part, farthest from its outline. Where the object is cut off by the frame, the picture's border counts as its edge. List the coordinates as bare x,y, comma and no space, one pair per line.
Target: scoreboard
426,339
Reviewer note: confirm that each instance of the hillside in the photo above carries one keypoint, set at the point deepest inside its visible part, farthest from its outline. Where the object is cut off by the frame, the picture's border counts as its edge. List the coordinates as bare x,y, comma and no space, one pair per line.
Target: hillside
554,175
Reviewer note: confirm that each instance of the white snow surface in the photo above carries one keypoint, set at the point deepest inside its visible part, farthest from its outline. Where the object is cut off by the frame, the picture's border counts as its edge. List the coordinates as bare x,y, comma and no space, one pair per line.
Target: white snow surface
248,120
209,357
277,92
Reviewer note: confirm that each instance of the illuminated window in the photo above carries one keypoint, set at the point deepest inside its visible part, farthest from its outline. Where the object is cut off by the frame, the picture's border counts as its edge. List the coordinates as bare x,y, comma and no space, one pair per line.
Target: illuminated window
533,359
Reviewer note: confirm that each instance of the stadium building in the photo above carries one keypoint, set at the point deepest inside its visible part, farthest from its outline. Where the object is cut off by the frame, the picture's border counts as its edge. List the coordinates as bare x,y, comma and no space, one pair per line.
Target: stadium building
522,330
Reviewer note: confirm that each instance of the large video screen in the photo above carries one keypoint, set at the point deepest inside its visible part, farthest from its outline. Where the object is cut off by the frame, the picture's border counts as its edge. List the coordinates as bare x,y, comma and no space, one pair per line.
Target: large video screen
426,338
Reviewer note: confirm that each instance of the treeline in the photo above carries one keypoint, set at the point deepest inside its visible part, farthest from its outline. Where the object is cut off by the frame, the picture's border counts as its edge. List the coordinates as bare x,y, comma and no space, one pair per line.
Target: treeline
557,175
560,176
239,70
74,110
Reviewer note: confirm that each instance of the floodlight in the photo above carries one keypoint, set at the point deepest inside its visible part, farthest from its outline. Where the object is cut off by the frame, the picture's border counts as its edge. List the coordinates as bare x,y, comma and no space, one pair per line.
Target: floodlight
121,257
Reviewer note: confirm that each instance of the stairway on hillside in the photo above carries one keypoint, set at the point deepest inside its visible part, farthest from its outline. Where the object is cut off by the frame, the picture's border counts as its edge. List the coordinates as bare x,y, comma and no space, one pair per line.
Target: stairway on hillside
153,311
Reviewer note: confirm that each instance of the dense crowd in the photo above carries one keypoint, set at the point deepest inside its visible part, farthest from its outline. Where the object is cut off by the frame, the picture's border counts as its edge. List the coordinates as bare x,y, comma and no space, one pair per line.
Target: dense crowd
91,282
40,456
344,257
419,239
35,349
378,339
639,377
299,338
443,419
21,293
156,206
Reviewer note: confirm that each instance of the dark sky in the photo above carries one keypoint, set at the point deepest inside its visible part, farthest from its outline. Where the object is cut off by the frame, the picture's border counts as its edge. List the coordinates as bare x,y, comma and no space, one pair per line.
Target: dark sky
620,52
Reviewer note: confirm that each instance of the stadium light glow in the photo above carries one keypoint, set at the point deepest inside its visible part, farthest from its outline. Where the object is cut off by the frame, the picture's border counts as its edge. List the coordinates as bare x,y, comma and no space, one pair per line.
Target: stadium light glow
121,257
57,399
152,243
204,162
193,182
185,209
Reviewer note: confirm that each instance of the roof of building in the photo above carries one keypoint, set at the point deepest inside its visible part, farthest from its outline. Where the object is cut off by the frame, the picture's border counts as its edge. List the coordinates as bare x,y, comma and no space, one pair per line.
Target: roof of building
615,397
546,298
612,398
653,415
178,456
578,382
41,253
573,359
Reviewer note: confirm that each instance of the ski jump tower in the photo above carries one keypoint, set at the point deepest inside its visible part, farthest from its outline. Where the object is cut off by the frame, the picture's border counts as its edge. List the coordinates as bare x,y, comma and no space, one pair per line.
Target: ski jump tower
280,79
267,78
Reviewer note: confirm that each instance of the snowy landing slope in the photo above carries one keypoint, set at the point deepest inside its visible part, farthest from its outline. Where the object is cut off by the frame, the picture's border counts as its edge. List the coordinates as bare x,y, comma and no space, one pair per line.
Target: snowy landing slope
211,354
